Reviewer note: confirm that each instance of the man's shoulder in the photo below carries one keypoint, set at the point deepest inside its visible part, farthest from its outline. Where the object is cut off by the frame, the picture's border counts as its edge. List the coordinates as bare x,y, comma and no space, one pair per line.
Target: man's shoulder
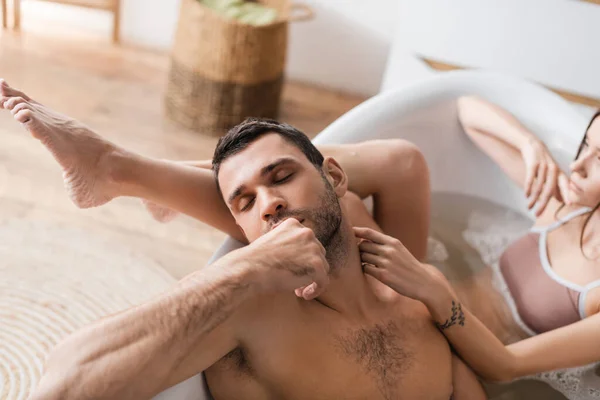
264,307
404,308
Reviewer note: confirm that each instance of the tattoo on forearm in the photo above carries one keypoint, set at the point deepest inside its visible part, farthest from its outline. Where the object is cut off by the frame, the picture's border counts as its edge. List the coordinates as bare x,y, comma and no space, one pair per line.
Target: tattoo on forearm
458,317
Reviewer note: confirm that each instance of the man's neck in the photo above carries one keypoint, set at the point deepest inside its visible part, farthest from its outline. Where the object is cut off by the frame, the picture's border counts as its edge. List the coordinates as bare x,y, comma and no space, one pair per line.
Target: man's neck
348,291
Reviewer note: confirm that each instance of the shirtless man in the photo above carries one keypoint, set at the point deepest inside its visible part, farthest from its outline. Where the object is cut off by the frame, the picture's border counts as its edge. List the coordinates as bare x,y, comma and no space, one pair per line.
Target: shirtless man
343,335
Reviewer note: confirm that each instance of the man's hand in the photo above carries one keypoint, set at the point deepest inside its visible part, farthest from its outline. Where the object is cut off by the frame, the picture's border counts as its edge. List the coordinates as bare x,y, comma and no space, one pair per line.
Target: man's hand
387,260
290,257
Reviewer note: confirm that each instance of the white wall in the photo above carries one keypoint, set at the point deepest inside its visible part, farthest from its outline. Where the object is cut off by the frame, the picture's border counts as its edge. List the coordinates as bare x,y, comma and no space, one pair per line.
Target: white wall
344,47
348,43
553,42
147,23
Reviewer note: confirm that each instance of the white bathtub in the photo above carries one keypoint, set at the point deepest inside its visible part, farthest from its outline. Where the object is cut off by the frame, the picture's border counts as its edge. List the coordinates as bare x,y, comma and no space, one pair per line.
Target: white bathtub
425,114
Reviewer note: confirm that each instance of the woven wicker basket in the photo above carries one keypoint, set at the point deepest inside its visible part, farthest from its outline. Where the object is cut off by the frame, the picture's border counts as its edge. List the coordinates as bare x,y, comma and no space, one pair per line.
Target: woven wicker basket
223,71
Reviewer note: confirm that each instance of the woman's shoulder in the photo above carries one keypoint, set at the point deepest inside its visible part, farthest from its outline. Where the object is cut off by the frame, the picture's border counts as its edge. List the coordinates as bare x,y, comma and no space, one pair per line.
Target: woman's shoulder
592,302
553,212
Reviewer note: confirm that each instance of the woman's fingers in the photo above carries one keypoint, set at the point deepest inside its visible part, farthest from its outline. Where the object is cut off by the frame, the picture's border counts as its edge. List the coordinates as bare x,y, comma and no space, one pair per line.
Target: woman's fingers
370,258
372,235
548,190
375,272
538,185
563,186
370,247
529,178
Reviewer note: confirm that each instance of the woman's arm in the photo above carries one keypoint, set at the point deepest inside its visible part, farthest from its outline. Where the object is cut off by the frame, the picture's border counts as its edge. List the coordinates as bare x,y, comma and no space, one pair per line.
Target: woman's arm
570,346
392,264
465,383
520,154
482,118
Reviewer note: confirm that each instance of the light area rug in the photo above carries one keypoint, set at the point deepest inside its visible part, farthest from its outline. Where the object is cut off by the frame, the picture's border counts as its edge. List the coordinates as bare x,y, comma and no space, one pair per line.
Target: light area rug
54,280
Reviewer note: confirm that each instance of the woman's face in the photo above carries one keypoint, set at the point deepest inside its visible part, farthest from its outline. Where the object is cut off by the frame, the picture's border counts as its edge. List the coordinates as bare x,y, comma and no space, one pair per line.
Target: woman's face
584,183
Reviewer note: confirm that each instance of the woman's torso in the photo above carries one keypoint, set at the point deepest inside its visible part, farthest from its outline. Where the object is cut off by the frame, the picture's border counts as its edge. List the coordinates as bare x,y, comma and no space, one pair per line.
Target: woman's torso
551,283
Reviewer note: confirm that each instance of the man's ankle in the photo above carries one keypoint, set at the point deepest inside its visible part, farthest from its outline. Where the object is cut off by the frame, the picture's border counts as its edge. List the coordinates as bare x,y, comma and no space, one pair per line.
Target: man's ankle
121,167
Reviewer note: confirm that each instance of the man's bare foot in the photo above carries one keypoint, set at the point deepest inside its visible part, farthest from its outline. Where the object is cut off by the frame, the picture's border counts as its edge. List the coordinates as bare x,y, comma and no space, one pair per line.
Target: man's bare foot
6,92
83,155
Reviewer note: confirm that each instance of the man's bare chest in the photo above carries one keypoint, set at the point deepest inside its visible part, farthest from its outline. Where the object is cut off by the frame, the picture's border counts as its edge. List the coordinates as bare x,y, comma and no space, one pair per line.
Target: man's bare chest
334,358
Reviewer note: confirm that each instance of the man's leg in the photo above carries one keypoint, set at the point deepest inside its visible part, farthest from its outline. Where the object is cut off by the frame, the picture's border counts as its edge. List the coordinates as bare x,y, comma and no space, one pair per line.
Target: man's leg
394,172
96,170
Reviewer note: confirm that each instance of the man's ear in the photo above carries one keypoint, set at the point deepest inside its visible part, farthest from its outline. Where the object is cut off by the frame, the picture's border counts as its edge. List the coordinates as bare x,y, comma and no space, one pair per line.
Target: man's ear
336,176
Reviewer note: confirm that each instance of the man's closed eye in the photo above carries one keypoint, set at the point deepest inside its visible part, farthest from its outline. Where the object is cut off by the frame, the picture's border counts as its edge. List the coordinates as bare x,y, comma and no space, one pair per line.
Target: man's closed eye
246,206
284,179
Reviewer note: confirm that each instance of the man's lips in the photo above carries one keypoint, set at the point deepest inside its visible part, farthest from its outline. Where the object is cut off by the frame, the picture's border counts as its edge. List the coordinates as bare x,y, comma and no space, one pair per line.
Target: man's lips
279,223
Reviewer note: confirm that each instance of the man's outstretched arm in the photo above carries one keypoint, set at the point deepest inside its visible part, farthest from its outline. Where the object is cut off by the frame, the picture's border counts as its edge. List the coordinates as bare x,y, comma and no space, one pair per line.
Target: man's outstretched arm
137,353
142,351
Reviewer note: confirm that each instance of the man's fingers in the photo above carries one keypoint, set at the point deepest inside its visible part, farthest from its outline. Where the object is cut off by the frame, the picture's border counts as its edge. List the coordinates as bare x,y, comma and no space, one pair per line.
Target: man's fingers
369,247
325,265
322,248
314,290
308,291
371,234
320,279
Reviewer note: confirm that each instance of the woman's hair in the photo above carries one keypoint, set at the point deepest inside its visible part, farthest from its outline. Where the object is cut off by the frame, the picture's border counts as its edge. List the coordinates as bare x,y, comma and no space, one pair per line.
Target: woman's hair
581,145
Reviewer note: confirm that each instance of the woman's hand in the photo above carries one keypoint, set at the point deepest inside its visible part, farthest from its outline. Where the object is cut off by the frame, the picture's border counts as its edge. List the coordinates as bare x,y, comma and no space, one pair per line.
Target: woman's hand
386,259
543,178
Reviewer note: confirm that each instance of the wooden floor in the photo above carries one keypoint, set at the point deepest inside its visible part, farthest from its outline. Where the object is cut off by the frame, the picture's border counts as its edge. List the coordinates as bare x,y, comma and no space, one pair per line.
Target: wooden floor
118,91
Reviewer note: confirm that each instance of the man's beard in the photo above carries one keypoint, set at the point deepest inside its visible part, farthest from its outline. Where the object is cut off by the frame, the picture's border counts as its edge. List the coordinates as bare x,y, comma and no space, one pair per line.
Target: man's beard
326,218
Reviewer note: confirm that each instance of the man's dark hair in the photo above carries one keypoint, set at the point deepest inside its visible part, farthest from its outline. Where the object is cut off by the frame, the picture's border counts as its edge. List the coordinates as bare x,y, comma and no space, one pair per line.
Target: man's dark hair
241,136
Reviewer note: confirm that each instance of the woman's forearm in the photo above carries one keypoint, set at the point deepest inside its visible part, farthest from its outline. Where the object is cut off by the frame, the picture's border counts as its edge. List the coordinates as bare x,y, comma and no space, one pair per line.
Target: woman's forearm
480,117
475,343
133,354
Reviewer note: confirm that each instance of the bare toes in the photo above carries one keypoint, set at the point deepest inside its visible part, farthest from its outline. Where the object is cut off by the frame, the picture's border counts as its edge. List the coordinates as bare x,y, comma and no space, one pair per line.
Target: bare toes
160,213
19,107
4,86
13,102
8,91
24,116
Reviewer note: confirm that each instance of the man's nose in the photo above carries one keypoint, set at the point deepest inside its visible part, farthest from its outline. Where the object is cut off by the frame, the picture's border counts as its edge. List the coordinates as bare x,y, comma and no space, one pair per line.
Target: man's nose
273,206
